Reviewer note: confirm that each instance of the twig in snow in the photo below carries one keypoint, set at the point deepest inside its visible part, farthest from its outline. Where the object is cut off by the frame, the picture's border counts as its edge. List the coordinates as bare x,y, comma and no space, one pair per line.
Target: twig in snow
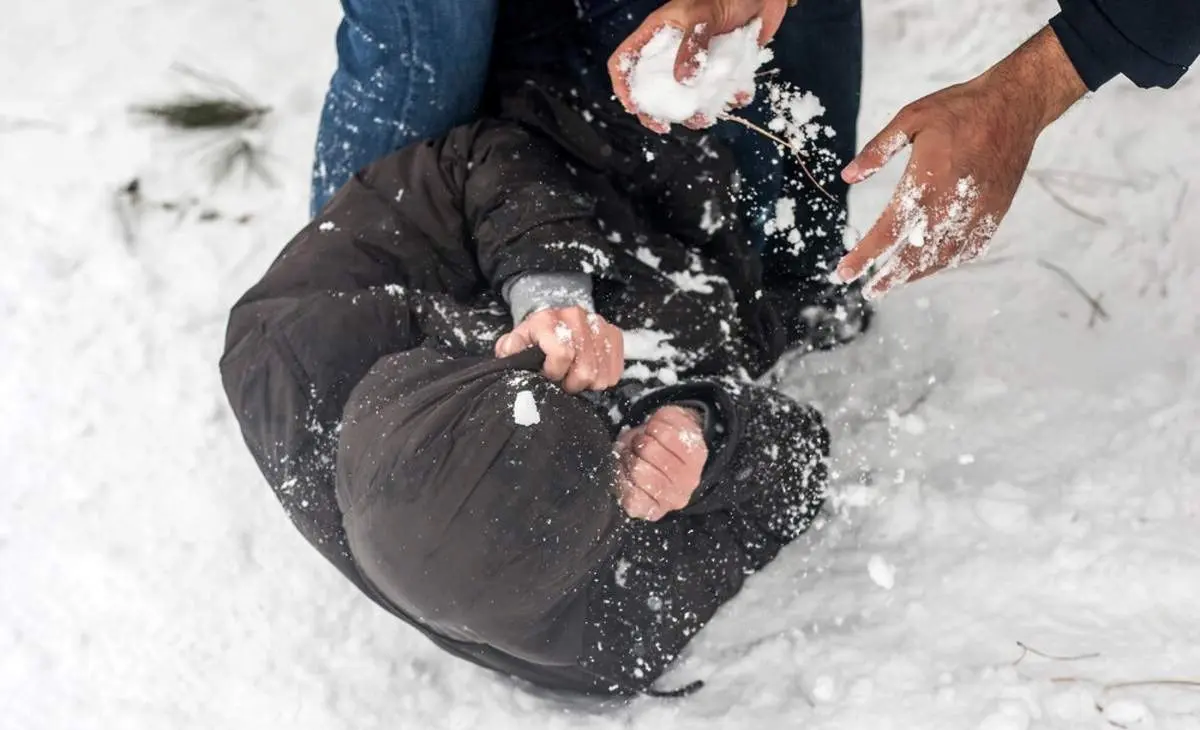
919,401
1190,683
243,153
1064,203
127,206
779,141
1098,311
768,72
1026,650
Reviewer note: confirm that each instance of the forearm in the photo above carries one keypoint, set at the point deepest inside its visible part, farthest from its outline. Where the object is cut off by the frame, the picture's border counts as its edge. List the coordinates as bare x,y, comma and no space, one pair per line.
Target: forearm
1040,78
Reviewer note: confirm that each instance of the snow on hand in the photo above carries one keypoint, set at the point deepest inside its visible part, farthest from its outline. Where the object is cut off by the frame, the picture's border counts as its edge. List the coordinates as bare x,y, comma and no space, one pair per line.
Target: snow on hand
725,71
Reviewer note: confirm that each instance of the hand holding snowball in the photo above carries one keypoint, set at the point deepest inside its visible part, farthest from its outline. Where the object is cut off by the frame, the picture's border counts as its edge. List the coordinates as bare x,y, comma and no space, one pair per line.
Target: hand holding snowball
688,61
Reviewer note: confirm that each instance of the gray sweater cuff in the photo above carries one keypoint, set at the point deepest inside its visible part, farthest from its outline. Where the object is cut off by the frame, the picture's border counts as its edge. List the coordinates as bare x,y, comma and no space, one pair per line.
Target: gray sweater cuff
531,293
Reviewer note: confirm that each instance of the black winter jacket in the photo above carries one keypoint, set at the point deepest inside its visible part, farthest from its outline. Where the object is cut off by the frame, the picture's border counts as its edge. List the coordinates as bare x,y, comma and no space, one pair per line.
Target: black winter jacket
1151,42
360,371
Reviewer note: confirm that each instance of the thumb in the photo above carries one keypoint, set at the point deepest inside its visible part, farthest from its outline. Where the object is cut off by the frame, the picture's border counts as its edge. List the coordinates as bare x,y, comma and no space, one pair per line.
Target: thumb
875,154
513,342
690,57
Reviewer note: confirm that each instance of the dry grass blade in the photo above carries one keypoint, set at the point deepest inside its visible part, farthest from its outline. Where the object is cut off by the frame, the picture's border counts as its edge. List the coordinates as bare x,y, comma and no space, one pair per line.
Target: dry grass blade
1026,650
242,153
779,141
1064,203
1098,311
196,113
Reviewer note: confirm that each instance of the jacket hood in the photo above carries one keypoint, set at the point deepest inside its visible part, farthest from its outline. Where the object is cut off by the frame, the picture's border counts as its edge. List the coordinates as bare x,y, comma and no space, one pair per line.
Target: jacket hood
513,517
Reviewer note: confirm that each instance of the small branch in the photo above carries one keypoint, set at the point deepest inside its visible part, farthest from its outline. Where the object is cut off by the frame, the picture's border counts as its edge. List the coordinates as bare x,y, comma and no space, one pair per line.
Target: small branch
1098,311
768,72
1041,181
777,140
1189,683
1151,682
1026,650
919,401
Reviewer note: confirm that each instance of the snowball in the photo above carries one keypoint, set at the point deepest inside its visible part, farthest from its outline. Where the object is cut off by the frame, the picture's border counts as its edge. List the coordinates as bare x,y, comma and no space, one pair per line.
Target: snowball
525,410
882,572
724,72
1128,713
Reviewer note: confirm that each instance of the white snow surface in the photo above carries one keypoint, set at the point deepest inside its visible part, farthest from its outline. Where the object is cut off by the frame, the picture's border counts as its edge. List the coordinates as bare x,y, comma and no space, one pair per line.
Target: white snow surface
151,581
725,71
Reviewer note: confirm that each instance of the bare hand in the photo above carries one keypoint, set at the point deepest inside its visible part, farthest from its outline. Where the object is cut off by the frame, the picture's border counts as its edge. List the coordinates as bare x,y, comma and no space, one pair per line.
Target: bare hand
699,20
971,144
661,463
583,351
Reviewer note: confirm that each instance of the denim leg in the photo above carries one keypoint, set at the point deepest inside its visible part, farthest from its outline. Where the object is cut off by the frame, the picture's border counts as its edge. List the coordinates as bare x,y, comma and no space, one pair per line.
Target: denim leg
407,70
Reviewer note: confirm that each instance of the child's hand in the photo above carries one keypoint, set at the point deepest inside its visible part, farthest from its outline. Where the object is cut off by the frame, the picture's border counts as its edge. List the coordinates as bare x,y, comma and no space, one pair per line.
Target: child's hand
661,462
583,351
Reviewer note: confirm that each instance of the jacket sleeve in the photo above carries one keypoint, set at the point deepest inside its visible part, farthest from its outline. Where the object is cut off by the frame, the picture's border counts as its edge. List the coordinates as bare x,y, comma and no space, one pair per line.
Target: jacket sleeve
333,303
1151,42
526,211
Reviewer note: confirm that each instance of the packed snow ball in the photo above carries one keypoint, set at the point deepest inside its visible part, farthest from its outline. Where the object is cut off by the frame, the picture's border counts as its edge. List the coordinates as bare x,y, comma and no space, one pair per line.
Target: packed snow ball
725,71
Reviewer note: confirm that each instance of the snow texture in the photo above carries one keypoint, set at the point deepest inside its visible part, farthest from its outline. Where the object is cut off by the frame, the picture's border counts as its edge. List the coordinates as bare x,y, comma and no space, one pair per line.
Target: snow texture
725,72
150,580
525,410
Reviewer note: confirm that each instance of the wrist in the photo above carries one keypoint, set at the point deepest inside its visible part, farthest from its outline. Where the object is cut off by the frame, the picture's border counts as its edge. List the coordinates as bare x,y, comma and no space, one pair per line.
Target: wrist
1038,77
537,292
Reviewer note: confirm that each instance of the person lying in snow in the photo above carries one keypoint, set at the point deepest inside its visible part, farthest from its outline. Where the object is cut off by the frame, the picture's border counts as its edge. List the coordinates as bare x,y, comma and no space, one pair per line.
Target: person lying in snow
571,499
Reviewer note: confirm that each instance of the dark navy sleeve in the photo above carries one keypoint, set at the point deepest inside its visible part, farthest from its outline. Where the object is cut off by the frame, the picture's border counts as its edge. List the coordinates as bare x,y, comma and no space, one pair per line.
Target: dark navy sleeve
1150,42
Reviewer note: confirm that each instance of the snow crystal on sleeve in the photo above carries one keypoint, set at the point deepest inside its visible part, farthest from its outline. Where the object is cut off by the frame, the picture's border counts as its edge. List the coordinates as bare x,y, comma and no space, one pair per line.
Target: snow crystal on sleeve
525,410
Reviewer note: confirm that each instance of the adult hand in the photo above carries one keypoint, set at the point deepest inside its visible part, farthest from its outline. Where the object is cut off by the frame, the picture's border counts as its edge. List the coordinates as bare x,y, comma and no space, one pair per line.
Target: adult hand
971,144
583,351
661,462
699,20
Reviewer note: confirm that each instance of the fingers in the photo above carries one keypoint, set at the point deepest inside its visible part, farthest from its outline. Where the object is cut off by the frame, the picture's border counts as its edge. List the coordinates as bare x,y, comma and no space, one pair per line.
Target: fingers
876,153
661,463
621,62
878,240
772,17
583,351
696,37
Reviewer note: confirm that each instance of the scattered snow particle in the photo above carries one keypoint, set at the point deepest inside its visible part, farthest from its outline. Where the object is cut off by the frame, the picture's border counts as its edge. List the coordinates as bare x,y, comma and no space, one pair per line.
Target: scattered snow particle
647,257
966,459
645,344
399,194
621,572
882,572
1128,714
824,689
525,410
326,227
562,332
711,219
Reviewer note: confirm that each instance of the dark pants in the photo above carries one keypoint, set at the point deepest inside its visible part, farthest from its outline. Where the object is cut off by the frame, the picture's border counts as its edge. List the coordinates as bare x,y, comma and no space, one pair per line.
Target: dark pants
411,70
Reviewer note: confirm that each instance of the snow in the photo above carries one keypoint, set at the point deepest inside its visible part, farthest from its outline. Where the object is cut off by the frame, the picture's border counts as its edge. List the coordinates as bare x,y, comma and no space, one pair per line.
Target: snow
151,581
525,410
725,72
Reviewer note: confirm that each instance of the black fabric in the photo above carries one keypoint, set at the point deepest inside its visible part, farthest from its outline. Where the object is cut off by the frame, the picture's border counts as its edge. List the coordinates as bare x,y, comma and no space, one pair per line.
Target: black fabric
360,370
1151,42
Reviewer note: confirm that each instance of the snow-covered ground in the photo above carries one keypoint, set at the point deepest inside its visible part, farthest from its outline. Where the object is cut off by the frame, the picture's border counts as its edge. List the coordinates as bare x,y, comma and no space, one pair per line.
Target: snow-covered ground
1008,472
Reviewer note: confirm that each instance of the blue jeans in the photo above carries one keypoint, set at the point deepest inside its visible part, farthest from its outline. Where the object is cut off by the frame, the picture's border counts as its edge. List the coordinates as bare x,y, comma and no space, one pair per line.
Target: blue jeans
407,70
413,69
